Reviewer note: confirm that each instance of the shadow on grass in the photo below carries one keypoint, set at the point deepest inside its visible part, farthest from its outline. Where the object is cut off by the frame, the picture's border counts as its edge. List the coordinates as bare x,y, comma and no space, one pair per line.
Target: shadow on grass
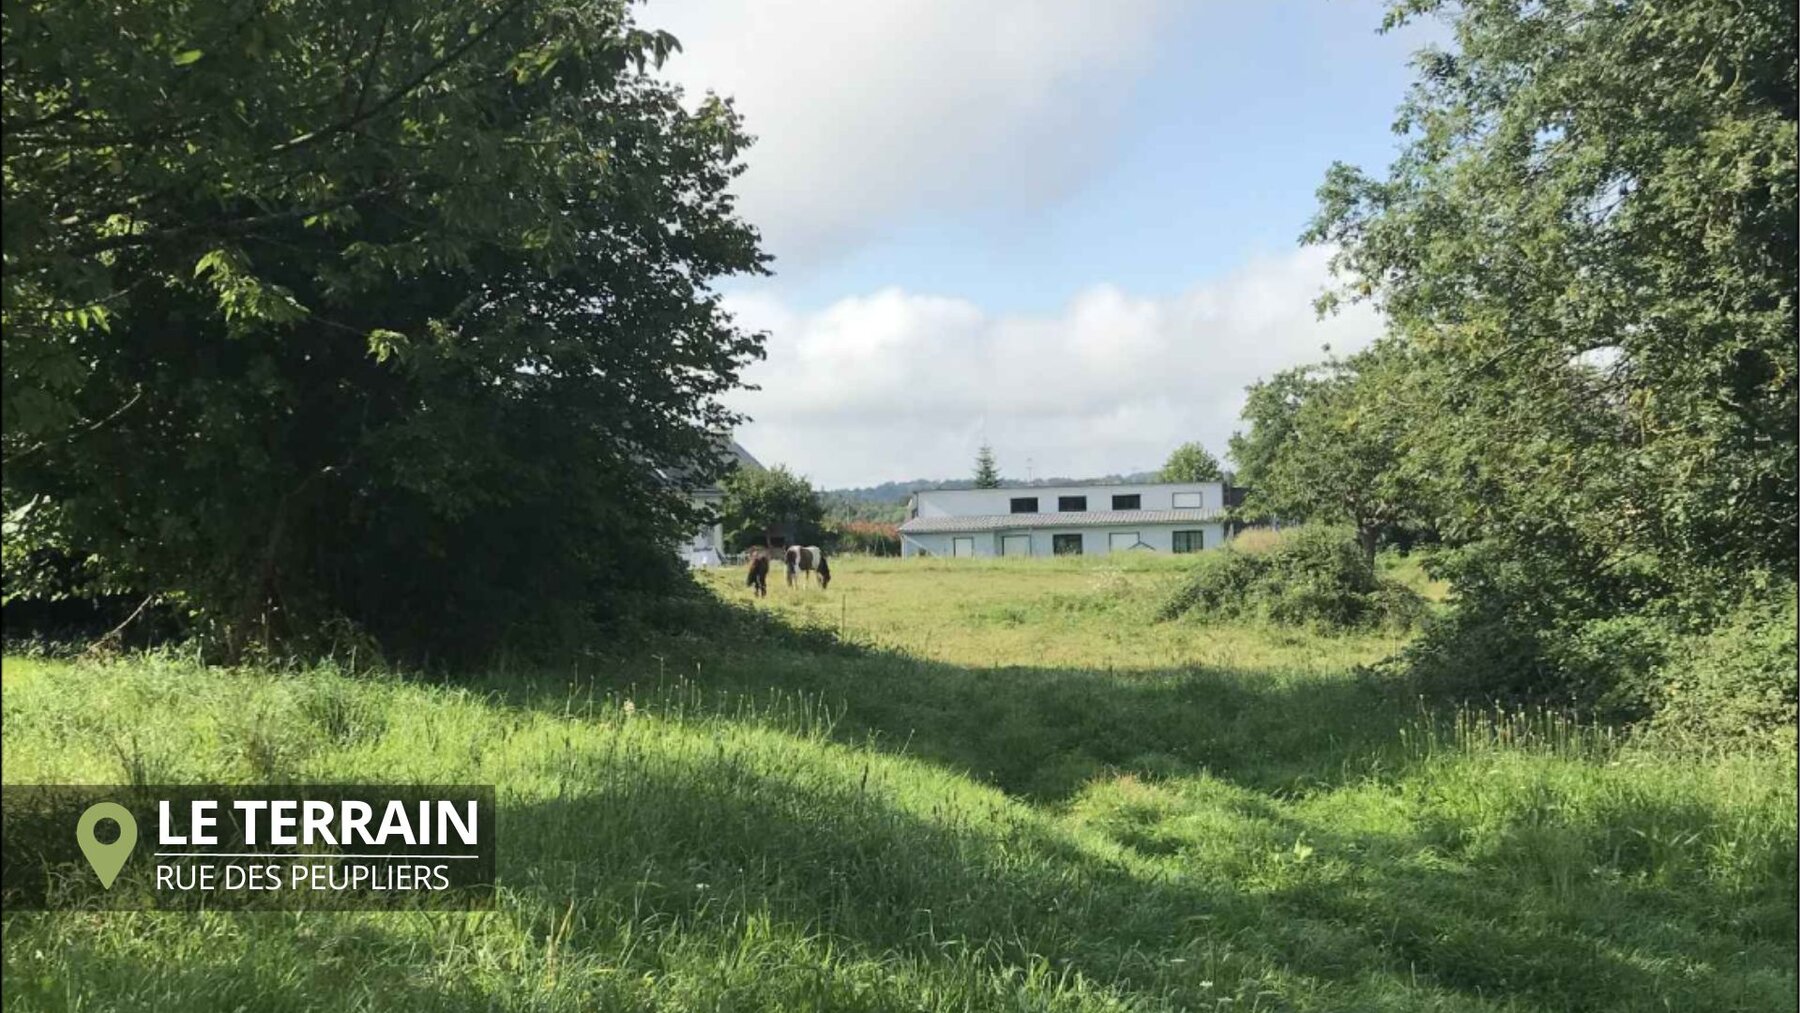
715,840
1179,858
1038,733
704,878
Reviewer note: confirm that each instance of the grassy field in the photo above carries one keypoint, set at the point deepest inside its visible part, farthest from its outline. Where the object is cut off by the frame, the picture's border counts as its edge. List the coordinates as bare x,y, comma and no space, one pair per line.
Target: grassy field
949,785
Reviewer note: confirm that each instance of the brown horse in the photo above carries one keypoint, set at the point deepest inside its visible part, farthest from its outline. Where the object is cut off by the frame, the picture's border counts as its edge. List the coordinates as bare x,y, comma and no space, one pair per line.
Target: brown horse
758,575
807,559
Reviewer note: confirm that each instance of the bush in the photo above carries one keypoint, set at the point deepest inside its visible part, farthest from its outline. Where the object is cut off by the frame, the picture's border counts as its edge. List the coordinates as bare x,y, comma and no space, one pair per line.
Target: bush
871,537
1680,662
1309,576
1610,666
1737,681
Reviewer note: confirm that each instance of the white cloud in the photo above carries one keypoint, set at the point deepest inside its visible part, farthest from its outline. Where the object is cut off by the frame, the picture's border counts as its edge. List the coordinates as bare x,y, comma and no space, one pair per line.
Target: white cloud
867,113
899,385
874,117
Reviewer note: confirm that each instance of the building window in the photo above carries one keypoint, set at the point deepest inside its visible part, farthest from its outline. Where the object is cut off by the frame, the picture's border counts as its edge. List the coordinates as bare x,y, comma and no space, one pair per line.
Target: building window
962,548
1015,545
1190,541
1071,504
1066,545
1187,501
1024,505
1130,502
1119,541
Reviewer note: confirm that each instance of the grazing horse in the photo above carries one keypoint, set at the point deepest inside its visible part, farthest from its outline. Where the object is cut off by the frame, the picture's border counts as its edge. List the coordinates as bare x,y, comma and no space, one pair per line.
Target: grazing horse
758,574
806,559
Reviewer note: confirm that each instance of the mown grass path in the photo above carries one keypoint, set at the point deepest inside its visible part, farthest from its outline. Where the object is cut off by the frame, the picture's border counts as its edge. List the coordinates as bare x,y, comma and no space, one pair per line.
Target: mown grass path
1002,788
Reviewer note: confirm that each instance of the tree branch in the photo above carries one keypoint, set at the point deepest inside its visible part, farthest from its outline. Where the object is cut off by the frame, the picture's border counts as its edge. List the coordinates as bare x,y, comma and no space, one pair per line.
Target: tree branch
356,119
211,227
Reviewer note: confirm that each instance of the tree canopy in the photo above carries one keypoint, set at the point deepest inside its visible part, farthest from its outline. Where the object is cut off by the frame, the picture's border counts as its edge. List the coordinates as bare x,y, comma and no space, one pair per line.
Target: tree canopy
384,317
1591,233
775,501
1190,462
1268,413
1325,444
1586,252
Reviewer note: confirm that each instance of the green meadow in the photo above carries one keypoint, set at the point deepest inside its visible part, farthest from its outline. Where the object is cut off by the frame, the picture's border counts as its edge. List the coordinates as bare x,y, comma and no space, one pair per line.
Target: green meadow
948,785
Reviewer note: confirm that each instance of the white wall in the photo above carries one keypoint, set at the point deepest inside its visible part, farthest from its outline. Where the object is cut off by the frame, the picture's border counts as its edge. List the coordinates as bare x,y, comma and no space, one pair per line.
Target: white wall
972,502
707,546
1094,541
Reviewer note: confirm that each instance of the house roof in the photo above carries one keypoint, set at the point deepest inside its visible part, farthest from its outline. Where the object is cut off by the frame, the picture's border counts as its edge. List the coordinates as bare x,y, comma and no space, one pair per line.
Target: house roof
730,453
1045,485
743,456
1085,519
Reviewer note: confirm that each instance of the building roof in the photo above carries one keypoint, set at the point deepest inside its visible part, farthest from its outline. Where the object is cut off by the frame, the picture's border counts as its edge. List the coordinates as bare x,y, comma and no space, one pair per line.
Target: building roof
743,456
1085,519
1042,485
730,453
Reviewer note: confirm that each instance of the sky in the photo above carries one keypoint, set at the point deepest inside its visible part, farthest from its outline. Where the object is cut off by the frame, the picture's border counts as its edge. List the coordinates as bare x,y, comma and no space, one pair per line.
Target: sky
1068,229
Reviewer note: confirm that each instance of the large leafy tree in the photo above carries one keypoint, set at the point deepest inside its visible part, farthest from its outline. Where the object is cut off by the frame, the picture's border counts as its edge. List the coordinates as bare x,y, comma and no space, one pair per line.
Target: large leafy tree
1190,462
1269,409
1591,233
340,316
762,503
1588,247
1327,443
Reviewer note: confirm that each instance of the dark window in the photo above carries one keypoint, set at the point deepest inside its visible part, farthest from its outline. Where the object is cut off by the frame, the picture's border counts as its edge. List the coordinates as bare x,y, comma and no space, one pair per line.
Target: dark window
1024,505
1071,504
1130,502
1190,541
1066,545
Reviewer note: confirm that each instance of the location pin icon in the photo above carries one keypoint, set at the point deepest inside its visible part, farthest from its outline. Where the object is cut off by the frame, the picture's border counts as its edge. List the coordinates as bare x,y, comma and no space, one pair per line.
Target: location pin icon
107,859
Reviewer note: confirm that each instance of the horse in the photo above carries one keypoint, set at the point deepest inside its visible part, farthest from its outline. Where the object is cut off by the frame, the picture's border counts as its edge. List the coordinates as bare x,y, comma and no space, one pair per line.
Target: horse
758,574
806,559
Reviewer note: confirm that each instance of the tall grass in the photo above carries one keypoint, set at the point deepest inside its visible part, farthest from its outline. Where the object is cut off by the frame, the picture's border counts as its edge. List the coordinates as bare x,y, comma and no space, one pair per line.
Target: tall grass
1005,796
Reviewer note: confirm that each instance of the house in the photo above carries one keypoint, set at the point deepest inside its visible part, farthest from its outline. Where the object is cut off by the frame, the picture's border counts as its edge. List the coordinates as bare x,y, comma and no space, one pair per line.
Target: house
1081,519
707,546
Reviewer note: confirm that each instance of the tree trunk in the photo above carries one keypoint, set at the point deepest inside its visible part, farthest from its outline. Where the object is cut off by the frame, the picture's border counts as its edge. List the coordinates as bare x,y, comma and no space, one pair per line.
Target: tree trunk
1366,537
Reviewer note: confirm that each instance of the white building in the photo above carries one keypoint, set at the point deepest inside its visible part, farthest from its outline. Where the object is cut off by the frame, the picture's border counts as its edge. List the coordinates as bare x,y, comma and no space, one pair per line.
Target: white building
707,546
1064,520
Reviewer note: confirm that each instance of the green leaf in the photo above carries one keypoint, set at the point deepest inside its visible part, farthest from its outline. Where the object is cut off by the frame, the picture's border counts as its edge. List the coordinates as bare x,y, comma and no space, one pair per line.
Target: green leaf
386,344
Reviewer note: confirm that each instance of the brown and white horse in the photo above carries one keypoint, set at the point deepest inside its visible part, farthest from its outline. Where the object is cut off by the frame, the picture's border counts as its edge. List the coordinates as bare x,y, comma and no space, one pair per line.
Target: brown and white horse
758,574
807,559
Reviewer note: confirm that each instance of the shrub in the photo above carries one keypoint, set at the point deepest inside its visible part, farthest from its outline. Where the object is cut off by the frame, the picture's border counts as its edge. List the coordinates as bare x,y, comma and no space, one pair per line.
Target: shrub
1309,576
1610,666
1677,662
872,537
1738,680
